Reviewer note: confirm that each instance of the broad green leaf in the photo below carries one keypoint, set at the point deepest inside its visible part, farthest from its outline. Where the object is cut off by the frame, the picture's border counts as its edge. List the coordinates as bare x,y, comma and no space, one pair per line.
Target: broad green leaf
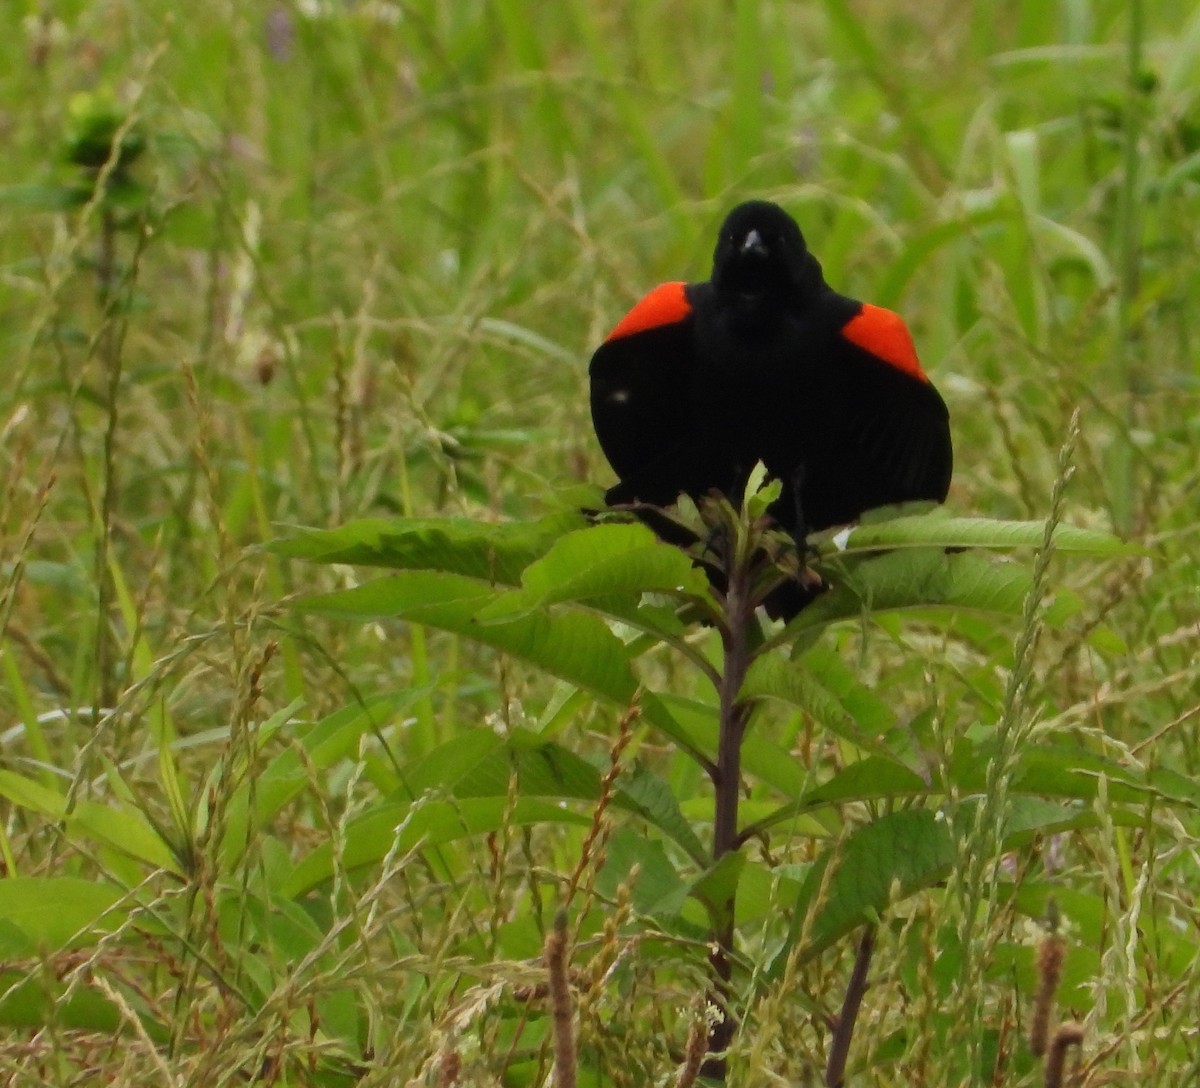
903,852
33,1002
57,911
793,682
114,824
1174,786
696,721
760,492
598,562
1071,772
773,764
1026,817
658,889
645,793
763,888
762,757
542,769
872,714
653,614
402,827
915,578
454,764
32,795
545,769
870,779
574,646
281,923
493,553
900,852
718,885
938,529
127,830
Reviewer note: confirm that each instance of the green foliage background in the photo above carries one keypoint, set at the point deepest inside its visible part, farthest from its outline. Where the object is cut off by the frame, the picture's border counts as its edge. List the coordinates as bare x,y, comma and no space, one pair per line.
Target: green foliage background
356,271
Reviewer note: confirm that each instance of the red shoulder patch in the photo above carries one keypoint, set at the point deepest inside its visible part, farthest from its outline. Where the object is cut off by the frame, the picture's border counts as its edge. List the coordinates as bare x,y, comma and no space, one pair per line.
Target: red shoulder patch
885,336
665,305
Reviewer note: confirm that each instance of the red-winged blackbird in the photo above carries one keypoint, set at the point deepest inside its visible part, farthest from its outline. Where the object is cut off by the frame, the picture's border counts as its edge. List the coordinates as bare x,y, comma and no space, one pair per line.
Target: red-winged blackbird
766,362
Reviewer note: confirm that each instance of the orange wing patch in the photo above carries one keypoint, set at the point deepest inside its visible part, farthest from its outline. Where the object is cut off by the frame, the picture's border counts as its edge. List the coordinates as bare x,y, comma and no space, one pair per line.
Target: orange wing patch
885,336
665,305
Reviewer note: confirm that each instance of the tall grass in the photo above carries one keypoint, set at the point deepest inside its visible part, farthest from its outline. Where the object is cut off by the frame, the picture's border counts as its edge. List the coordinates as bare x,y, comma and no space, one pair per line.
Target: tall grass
374,245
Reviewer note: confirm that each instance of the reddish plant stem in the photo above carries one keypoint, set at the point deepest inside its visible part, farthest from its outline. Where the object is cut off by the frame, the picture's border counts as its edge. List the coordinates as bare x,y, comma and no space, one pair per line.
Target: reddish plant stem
726,778
843,1032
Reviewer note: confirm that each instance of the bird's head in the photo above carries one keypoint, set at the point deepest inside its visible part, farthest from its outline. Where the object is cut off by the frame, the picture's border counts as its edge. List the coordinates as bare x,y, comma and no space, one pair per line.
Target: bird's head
761,255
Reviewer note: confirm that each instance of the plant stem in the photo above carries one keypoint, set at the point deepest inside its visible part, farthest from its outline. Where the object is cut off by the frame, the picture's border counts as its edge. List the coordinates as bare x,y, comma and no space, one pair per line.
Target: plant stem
109,349
1129,248
726,778
843,1032
562,1013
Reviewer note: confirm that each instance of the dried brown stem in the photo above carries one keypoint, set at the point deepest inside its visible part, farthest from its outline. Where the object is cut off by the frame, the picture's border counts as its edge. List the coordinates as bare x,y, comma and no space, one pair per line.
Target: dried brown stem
1049,969
1067,1036
693,1053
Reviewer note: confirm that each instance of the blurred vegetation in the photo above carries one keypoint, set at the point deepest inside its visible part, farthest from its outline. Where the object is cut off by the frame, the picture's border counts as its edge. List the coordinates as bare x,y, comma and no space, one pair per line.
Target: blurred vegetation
271,264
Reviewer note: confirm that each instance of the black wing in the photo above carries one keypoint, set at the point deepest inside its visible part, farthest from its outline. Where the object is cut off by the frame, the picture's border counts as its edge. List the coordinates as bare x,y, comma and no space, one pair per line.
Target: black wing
641,402
888,435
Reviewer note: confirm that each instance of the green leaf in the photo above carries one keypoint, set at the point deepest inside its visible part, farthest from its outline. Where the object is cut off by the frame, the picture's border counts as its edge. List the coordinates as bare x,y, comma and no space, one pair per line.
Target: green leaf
542,769
455,764
127,830
870,713
403,827
57,912
717,887
574,646
32,795
773,676
760,492
772,763
918,577
597,562
761,757
870,779
938,529
112,824
545,769
897,855
493,553
33,1002
643,792
1073,773
44,198
900,852
658,888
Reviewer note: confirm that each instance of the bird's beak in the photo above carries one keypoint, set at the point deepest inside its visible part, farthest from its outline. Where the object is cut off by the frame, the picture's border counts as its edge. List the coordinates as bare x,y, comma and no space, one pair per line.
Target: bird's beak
753,245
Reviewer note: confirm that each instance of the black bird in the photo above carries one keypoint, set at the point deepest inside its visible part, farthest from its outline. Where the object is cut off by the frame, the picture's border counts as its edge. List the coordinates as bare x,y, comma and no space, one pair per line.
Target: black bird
766,362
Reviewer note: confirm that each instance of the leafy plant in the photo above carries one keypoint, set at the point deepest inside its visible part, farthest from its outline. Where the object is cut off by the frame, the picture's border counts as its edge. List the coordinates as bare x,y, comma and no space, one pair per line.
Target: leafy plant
588,603
358,265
